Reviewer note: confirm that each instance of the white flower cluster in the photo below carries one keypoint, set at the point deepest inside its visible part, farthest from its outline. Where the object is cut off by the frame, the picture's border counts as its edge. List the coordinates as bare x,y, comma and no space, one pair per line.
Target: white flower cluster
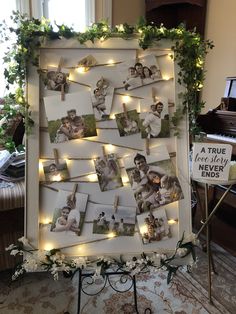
54,261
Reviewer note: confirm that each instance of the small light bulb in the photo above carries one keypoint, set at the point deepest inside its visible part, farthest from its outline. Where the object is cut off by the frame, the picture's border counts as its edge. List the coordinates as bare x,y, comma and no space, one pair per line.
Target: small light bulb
48,246
92,177
126,98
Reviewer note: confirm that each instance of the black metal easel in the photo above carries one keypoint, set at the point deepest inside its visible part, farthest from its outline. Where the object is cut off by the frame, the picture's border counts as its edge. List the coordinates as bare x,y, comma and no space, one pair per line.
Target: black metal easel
125,276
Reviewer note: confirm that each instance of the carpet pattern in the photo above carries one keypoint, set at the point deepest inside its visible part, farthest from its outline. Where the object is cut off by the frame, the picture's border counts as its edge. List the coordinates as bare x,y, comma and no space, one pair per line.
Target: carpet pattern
187,293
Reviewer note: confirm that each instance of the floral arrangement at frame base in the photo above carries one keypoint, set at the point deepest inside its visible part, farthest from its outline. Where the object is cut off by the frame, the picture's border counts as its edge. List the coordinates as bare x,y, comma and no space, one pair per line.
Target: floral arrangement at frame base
189,53
54,261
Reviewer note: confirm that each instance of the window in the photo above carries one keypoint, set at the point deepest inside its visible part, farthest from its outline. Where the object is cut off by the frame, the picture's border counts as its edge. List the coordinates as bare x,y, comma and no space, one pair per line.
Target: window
73,13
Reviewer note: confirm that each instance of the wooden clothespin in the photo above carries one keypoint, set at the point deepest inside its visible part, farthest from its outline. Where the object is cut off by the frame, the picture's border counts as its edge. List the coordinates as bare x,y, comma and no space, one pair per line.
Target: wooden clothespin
125,110
115,204
153,95
74,190
147,142
61,61
136,56
71,199
56,156
103,150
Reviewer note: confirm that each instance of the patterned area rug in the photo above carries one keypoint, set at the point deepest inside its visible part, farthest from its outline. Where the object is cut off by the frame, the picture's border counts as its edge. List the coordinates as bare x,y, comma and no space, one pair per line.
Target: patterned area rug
187,293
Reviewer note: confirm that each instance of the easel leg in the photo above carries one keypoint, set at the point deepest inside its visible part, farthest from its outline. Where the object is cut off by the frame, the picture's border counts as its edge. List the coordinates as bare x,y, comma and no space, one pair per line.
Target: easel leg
135,294
79,291
208,244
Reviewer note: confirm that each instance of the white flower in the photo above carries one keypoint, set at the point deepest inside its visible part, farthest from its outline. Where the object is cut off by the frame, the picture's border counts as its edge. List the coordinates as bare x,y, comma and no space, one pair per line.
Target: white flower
181,252
24,241
14,252
10,247
40,255
78,262
120,28
30,264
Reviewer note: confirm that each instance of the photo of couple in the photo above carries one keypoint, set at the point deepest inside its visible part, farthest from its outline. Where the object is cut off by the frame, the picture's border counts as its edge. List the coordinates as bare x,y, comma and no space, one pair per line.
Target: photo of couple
69,213
154,227
154,118
121,223
71,120
138,73
56,80
154,184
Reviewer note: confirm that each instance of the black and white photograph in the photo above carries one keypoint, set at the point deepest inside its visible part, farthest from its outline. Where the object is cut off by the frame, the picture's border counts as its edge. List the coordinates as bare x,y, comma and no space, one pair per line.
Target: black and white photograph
69,213
154,182
154,118
142,71
55,172
128,122
153,226
108,172
102,97
120,223
57,80
71,120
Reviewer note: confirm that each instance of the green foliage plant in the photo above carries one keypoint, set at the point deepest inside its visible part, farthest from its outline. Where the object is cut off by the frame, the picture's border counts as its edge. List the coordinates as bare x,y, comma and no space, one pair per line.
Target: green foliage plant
189,52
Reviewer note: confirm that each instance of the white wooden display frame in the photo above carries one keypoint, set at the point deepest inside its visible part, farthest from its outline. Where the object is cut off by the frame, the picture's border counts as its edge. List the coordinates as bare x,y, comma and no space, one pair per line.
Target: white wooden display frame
36,197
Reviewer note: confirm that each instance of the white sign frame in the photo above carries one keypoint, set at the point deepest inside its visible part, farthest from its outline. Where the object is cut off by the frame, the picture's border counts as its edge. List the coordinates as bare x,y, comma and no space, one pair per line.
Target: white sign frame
35,197
211,161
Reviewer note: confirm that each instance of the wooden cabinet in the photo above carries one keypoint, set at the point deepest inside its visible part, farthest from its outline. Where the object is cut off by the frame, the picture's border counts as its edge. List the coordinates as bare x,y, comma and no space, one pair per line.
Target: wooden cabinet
171,13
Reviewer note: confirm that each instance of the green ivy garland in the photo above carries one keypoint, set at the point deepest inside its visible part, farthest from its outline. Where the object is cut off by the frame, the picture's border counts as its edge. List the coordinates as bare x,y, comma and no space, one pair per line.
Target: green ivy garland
189,52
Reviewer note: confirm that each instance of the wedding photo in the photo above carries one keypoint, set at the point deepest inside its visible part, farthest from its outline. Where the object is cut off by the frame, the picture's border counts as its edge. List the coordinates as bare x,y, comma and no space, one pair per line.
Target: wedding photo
69,213
73,120
154,117
57,80
108,172
154,183
120,223
128,123
136,73
102,97
154,227
55,171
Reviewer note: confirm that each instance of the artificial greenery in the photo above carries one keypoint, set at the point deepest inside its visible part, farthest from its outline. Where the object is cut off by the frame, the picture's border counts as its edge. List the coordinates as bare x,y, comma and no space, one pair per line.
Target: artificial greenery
53,261
189,52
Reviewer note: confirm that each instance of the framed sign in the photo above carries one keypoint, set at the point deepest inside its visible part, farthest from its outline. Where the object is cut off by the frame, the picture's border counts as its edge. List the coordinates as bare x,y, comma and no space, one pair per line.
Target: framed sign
211,161
110,126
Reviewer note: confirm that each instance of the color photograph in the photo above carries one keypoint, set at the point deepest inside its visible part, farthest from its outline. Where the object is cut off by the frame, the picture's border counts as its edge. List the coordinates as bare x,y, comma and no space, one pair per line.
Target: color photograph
108,172
69,213
154,183
154,227
120,223
70,119
139,72
154,118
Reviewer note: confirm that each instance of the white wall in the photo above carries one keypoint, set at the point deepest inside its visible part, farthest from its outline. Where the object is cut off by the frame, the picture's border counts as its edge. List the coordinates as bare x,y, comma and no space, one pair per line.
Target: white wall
221,61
